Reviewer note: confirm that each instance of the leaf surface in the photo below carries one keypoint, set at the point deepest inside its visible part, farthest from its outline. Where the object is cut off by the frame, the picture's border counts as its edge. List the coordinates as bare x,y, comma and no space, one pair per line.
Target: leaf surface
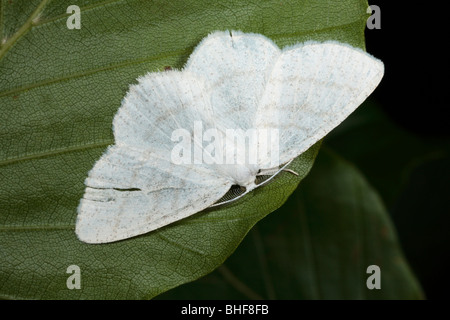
318,245
59,91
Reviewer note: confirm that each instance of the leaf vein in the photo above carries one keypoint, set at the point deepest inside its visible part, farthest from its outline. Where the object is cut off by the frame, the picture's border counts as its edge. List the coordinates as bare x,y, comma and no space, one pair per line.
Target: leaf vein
138,61
53,152
24,29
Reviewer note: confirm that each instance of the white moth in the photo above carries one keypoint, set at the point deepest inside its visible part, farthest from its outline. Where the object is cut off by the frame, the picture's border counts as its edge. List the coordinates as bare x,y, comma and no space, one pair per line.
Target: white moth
232,80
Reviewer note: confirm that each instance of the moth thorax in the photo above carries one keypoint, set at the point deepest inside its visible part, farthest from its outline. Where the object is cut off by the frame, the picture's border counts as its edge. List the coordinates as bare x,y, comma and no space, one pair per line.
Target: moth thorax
243,175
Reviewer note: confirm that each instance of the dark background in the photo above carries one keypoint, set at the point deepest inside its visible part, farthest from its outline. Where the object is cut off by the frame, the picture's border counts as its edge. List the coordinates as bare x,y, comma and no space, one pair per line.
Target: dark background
412,42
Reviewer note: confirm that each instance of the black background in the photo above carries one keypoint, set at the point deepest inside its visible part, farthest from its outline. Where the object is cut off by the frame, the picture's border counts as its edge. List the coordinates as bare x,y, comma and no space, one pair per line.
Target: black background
412,42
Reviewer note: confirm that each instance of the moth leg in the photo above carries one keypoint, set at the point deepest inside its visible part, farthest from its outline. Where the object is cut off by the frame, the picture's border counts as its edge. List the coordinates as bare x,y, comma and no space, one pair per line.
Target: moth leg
268,172
291,171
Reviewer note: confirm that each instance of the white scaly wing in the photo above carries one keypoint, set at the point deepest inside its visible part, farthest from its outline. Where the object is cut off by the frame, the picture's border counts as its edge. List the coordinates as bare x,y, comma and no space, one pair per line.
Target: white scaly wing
237,66
134,187
130,193
312,88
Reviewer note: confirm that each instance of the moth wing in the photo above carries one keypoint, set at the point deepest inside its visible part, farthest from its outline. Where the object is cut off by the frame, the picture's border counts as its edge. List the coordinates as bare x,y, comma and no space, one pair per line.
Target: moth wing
130,192
313,87
158,105
237,66
137,186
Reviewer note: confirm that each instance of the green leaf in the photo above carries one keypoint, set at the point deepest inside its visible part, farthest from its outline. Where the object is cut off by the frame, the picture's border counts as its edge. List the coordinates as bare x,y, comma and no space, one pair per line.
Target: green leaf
317,246
59,91
409,172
